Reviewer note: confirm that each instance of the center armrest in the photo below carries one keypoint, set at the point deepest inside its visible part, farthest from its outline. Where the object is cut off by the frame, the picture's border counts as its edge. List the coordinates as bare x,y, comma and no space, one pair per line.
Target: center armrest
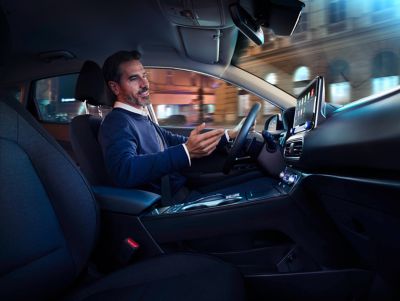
121,200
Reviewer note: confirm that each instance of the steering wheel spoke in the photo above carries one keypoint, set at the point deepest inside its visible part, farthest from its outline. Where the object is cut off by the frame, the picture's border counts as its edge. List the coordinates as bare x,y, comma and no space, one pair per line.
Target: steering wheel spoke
240,140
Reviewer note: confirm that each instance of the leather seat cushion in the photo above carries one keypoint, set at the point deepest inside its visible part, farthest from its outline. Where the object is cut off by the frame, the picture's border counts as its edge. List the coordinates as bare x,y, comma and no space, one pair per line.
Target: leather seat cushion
169,277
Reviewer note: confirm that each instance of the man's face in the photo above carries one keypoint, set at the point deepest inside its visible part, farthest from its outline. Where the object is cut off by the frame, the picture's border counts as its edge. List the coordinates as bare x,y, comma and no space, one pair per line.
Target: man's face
133,87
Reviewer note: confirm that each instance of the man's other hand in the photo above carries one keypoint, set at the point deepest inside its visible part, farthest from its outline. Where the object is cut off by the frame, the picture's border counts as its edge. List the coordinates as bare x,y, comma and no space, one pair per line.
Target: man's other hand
232,133
202,144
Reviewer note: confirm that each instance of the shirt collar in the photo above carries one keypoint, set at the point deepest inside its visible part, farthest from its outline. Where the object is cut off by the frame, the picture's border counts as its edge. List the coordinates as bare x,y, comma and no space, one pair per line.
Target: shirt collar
130,108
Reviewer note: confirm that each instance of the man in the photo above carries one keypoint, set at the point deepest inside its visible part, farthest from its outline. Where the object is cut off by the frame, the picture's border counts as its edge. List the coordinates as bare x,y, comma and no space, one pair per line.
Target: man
137,152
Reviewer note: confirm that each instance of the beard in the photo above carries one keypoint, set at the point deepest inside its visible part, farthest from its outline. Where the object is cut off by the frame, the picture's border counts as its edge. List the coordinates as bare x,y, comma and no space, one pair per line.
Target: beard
139,101
143,101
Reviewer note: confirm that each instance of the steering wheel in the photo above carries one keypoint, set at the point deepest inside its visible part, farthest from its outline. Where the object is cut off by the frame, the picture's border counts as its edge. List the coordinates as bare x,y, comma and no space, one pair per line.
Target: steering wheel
241,138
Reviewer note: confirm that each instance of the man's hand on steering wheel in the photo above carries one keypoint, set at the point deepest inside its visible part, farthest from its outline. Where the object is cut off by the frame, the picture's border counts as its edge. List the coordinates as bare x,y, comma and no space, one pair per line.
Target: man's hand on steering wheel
232,133
240,137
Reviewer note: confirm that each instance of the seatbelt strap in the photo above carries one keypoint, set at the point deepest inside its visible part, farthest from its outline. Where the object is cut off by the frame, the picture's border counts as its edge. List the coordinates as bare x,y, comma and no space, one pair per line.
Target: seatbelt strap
165,180
165,190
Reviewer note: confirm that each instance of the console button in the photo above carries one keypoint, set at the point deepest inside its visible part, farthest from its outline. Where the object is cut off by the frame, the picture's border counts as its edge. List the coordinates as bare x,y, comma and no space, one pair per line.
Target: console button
291,179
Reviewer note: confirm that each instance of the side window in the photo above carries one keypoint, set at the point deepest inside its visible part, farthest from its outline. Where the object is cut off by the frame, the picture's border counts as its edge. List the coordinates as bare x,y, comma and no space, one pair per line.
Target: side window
301,78
337,11
54,98
186,99
385,71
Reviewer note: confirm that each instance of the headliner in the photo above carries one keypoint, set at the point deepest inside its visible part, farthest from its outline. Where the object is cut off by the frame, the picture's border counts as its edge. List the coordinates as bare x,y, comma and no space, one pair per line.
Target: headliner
93,29
87,28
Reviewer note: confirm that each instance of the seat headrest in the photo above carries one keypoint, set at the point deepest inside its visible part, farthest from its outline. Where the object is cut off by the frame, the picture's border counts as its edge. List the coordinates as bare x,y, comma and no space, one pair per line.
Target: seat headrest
92,87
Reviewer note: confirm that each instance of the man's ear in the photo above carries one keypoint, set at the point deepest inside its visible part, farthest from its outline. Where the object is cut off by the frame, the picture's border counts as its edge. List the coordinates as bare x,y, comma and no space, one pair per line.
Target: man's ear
114,87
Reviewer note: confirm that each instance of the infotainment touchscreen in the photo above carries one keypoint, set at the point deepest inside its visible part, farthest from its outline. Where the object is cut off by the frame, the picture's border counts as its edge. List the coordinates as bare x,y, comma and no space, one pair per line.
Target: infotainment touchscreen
308,104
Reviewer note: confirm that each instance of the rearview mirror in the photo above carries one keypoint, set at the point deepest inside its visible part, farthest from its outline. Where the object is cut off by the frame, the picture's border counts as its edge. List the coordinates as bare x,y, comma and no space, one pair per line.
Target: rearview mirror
246,24
281,16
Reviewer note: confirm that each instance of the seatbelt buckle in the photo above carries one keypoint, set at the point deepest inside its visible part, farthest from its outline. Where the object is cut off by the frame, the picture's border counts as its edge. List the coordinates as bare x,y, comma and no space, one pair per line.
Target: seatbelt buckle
127,250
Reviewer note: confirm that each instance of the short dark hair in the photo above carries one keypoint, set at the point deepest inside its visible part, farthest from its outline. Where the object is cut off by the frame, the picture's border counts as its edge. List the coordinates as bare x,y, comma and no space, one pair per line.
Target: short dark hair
111,71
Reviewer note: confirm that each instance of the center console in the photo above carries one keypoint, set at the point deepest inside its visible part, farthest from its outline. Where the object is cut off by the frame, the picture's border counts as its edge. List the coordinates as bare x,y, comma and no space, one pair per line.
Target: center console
289,178
309,113
218,200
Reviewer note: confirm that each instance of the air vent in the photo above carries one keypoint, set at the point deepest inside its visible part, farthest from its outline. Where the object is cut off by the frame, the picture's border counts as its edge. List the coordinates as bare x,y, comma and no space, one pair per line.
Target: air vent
294,149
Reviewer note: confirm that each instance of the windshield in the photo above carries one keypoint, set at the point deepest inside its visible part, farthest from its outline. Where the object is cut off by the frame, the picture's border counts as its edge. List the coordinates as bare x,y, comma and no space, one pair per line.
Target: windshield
353,44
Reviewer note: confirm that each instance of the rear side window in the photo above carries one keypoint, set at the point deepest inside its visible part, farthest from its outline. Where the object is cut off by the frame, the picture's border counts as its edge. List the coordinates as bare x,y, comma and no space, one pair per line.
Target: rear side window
54,98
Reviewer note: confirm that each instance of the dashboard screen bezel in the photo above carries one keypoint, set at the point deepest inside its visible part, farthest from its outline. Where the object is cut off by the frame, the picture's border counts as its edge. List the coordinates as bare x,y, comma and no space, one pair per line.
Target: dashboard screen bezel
318,82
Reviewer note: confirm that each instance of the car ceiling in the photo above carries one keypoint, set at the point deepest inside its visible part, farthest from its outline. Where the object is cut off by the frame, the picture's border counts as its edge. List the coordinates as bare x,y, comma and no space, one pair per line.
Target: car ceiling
93,29
44,25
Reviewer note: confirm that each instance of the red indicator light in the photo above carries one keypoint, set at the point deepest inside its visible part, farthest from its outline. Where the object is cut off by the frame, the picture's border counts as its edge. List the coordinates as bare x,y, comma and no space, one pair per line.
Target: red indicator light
132,243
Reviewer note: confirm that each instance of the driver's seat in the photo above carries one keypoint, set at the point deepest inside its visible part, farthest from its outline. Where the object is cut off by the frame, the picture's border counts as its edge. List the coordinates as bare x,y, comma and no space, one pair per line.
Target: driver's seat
92,90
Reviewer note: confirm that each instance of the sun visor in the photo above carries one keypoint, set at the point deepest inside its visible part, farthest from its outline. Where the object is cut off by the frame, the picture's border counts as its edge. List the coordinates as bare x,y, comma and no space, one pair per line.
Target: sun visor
201,45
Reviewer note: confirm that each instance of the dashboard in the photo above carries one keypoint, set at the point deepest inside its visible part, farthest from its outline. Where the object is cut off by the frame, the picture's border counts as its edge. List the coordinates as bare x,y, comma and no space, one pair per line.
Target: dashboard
342,163
362,136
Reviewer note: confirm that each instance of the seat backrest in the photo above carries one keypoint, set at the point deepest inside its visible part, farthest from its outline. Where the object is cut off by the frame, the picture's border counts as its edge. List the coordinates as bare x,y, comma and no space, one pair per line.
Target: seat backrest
83,131
48,215
92,89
